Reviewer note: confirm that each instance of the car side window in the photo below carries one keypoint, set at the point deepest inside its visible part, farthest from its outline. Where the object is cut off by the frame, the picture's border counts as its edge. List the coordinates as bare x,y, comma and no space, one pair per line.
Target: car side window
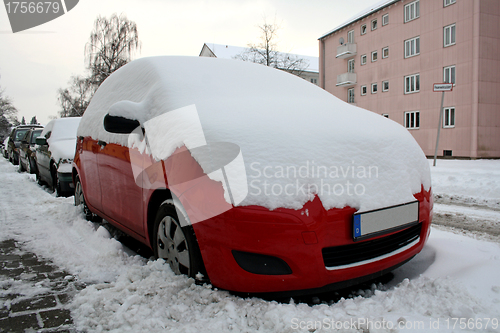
47,135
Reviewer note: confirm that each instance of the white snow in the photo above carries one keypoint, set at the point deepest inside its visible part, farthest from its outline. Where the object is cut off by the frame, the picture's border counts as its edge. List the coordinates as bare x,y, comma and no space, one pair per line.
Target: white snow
453,280
296,140
469,182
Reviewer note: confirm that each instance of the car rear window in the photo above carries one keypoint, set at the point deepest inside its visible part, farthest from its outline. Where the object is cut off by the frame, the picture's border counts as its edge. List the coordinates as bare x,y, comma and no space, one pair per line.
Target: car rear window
20,134
35,135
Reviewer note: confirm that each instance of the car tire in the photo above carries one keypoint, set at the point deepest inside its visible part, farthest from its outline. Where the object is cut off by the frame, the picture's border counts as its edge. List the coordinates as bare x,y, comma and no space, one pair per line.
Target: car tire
29,169
21,168
175,244
38,178
80,200
56,185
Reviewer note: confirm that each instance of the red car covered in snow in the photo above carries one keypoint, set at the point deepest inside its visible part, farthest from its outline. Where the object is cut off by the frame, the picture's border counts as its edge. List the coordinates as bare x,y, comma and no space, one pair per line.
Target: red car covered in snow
255,178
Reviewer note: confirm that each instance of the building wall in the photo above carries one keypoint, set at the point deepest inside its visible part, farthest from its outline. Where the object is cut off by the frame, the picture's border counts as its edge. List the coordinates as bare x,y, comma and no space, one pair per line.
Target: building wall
488,140
475,57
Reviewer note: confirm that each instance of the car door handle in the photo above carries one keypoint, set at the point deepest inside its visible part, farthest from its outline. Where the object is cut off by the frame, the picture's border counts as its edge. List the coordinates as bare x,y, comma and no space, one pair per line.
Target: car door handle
102,144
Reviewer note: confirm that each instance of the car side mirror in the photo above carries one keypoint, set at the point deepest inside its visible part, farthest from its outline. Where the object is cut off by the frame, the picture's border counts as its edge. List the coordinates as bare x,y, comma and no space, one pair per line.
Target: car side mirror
41,141
120,125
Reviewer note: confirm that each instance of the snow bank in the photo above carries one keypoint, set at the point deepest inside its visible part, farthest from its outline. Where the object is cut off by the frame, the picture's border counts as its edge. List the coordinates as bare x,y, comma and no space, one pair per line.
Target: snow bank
463,181
297,140
453,277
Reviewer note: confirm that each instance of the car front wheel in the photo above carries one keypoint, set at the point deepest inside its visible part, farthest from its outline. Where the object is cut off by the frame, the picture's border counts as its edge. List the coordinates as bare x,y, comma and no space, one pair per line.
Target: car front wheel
80,200
176,244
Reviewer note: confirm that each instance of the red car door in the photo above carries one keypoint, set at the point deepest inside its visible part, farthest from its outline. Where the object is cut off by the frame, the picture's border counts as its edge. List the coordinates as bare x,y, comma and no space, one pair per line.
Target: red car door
121,196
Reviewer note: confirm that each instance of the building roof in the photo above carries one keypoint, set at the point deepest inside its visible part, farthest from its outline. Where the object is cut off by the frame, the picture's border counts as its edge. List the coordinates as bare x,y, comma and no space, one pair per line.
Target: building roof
229,52
367,12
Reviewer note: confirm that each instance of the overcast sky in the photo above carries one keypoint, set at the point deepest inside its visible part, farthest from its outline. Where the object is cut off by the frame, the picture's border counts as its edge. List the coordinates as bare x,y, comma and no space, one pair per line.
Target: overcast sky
35,63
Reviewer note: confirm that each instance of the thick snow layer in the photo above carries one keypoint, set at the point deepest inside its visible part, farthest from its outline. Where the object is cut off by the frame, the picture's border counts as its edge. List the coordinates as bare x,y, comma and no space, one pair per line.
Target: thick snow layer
62,140
296,140
453,280
471,182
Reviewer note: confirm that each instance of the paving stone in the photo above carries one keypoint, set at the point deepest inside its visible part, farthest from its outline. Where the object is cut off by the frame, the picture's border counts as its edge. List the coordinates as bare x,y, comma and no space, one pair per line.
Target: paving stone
43,268
64,298
19,323
34,304
56,318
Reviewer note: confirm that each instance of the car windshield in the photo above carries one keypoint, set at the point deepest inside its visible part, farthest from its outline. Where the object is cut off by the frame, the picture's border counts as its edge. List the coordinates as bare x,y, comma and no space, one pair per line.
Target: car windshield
20,134
35,135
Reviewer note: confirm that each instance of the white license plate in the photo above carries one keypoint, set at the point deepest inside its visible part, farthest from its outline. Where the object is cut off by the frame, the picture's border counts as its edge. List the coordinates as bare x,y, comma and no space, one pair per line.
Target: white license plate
384,220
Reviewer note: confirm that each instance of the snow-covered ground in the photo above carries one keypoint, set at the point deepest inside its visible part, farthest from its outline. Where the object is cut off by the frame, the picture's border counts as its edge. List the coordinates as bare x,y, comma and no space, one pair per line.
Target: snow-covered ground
452,285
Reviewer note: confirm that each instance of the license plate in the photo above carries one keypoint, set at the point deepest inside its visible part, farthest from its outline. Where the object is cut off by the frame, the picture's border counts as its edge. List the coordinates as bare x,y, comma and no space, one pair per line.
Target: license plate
385,220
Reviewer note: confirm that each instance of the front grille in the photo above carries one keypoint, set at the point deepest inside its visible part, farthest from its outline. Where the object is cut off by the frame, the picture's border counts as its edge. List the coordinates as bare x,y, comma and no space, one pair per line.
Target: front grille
353,253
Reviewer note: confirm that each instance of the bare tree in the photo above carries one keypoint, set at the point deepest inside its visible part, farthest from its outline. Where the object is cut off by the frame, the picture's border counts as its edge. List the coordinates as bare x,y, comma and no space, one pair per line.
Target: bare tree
112,44
75,99
8,113
266,52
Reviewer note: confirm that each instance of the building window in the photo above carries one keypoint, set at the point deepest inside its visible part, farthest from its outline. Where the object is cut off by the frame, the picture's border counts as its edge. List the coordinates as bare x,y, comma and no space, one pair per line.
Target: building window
350,36
363,29
350,66
374,24
385,19
385,85
449,74
315,81
449,2
385,52
385,115
412,47
412,11
412,83
350,95
449,35
412,119
363,59
363,90
449,117
374,88
374,56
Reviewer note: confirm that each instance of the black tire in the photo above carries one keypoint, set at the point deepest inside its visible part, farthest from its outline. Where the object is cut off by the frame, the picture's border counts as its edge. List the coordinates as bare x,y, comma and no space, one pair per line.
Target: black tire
38,178
29,167
175,244
21,167
80,200
55,181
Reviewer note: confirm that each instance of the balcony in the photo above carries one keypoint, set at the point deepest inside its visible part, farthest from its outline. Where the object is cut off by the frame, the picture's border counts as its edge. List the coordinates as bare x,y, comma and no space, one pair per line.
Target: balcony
346,51
346,80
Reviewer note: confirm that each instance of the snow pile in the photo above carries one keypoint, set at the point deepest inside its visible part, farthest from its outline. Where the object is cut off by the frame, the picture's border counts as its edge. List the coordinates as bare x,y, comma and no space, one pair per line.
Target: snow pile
151,298
296,140
471,182
453,277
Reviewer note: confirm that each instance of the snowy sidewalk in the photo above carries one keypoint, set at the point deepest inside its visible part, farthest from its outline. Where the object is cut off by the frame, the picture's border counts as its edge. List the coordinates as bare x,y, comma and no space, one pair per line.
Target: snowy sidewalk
33,293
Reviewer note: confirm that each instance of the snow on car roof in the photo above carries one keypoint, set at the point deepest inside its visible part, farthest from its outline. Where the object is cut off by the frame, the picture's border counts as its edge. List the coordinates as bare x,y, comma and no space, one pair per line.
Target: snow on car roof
296,139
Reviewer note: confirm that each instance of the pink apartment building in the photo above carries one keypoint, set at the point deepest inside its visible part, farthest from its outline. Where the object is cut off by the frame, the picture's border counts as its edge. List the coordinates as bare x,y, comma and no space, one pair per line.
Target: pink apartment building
387,59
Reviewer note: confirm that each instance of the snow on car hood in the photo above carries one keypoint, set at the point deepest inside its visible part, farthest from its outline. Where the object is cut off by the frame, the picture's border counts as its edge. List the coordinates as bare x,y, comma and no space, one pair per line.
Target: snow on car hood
297,141
62,149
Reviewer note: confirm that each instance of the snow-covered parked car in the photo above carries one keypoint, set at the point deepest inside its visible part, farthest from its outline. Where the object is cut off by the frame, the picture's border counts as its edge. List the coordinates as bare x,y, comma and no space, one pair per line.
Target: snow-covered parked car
14,142
54,151
253,177
5,143
27,151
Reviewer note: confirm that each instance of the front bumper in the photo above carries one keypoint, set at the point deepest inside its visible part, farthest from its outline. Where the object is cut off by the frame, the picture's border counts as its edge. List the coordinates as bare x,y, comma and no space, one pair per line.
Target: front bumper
299,239
66,182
